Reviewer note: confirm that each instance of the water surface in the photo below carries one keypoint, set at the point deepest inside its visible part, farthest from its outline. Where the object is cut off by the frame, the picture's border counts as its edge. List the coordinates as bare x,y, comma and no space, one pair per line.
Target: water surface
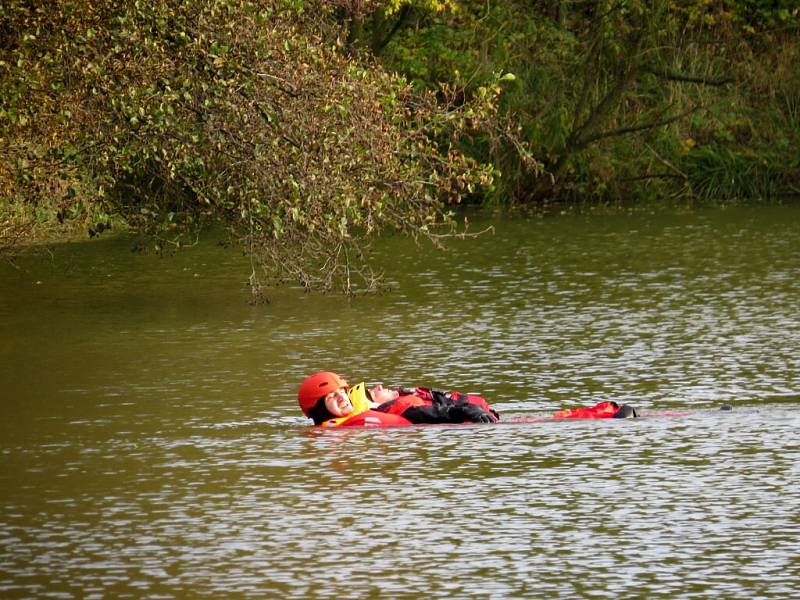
151,445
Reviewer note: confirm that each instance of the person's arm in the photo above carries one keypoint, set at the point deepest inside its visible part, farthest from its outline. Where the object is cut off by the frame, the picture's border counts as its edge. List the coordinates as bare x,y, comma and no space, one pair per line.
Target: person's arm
445,410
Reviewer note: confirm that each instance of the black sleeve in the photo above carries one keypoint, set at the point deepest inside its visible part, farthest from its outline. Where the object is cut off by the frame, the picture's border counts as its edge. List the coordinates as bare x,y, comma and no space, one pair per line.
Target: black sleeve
438,412
431,413
446,410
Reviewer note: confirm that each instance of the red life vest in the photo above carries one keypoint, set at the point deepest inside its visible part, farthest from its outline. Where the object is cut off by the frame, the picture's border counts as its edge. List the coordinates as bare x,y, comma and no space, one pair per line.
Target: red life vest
401,404
368,418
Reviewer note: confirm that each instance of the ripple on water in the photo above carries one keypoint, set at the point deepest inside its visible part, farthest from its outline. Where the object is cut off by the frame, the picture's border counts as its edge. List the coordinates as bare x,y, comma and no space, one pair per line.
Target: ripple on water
153,447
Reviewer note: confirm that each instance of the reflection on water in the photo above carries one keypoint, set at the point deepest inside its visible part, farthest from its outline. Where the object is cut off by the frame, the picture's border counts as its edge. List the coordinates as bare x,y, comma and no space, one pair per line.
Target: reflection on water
151,445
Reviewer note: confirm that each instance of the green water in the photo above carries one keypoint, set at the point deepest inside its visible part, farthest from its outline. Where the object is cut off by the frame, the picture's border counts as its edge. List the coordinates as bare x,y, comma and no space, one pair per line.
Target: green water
151,445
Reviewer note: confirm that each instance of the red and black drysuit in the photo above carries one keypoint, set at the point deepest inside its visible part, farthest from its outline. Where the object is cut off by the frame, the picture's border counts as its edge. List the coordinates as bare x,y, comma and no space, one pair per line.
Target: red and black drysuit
426,406
423,405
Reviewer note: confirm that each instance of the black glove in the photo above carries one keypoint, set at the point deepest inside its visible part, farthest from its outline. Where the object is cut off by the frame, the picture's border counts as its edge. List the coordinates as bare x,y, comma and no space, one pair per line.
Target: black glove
475,414
439,397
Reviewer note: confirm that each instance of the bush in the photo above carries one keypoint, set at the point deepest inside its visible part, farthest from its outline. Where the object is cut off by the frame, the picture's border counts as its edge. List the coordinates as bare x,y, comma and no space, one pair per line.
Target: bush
170,115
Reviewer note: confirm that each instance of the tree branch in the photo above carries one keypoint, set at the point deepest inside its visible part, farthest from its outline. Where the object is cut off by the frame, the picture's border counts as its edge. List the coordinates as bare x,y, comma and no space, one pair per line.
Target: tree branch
380,42
634,128
628,74
675,76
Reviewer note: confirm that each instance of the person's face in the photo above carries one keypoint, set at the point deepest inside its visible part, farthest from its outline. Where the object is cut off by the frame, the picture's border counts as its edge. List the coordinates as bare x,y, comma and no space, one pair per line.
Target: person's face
338,403
380,394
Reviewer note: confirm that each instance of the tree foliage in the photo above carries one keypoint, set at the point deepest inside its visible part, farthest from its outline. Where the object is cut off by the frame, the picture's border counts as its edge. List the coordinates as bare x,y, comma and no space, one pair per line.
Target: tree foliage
170,115
615,97
284,120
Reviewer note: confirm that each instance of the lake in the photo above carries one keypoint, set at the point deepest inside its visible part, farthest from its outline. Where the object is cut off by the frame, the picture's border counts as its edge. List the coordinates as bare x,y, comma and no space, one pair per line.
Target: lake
151,444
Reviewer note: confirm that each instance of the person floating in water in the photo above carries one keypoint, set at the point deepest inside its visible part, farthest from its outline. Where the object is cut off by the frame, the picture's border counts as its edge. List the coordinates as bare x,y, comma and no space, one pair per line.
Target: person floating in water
330,401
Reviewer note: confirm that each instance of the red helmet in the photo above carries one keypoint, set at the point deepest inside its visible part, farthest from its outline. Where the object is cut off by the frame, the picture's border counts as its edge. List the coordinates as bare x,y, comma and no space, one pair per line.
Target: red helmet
315,387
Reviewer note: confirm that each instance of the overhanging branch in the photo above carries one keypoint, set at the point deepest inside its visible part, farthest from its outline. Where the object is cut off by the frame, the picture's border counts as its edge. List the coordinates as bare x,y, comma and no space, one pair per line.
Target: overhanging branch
634,128
682,77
